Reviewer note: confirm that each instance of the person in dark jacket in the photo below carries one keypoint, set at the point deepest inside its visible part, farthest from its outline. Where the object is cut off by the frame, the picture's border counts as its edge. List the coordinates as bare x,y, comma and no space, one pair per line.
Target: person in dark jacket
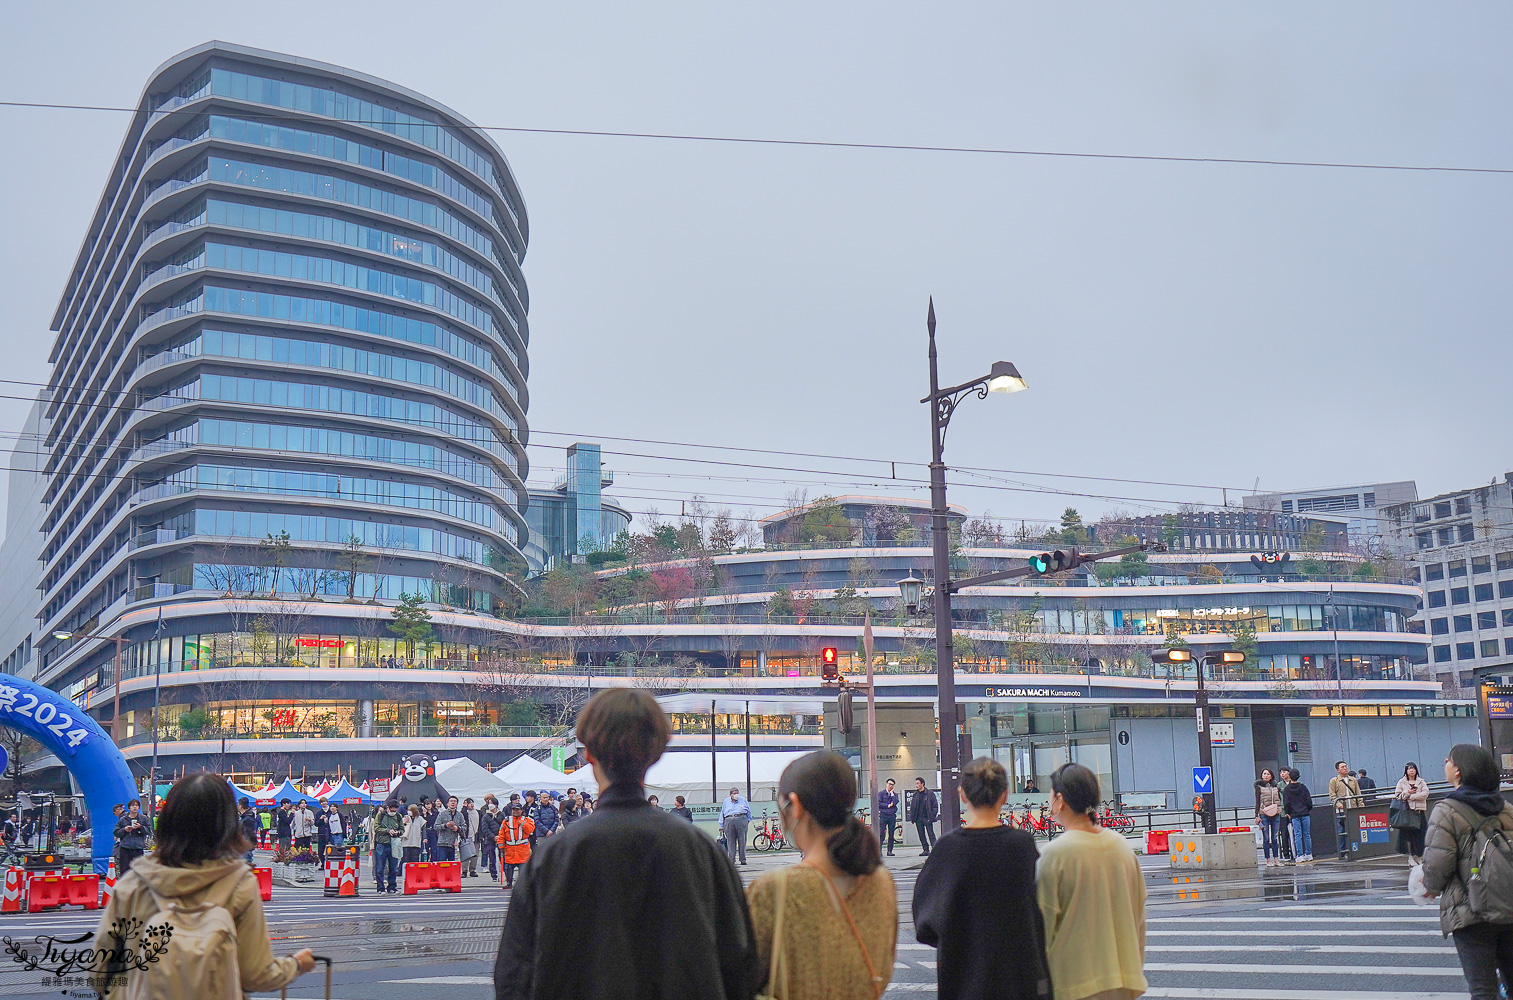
975,900
680,809
131,836
546,817
251,827
1297,803
488,832
1484,948
887,814
923,812
629,901
283,824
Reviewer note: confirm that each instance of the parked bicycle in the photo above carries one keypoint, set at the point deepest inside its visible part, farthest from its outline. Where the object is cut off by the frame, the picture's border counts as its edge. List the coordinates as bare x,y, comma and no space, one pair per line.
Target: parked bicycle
769,836
1113,818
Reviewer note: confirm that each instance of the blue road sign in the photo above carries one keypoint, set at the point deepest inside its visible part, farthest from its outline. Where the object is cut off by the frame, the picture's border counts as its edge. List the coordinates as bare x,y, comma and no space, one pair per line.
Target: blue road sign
1203,780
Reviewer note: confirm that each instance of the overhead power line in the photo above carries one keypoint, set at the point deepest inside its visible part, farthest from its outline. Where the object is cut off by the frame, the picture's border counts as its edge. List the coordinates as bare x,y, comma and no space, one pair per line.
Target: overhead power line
835,143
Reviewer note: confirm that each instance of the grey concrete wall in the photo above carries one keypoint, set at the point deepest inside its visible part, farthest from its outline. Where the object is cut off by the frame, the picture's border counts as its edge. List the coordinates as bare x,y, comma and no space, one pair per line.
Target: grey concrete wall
1161,753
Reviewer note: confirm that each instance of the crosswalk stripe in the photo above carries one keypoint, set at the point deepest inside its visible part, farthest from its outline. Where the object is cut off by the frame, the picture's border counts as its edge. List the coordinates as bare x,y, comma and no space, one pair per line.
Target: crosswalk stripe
1284,932
1405,907
1309,970
1312,949
1202,993
1427,919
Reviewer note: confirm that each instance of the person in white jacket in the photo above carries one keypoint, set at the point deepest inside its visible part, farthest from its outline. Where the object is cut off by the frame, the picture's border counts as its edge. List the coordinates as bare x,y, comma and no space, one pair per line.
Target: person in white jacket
1412,795
302,824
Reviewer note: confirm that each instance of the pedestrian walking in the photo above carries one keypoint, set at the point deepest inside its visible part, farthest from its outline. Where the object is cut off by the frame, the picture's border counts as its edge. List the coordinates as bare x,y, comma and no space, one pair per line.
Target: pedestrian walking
806,952
445,825
629,901
1297,803
680,808
131,835
467,838
284,824
547,817
975,900
1092,898
923,812
197,865
414,837
515,840
1269,816
1467,864
1408,815
388,844
1344,793
887,814
735,818
322,827
488,831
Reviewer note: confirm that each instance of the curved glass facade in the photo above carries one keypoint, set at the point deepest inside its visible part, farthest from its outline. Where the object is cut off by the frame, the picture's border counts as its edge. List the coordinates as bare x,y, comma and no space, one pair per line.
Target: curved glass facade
294,347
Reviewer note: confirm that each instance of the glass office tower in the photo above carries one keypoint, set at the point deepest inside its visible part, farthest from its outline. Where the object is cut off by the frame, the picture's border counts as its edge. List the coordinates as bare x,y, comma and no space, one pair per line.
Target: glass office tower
291,357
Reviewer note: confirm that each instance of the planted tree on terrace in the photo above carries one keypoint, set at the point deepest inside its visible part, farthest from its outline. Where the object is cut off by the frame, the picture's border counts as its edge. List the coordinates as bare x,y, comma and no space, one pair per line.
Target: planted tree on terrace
825,522
671,585
411,622
353,562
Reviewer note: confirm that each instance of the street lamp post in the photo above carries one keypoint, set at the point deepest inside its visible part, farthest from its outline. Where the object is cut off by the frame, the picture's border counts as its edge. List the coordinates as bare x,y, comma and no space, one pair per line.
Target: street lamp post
1200,701
1003,377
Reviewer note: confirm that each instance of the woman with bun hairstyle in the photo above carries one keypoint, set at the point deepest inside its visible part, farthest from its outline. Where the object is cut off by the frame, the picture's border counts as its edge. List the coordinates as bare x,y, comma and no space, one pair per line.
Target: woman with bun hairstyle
827,928
1092,898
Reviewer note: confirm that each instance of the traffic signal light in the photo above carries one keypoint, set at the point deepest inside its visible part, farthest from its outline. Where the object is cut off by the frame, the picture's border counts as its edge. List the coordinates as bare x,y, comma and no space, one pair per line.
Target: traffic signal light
830,665
1055,562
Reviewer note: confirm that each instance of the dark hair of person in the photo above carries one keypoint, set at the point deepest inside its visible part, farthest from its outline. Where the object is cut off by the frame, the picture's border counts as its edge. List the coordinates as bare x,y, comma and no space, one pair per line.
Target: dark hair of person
626,731
1337,764
1263,780
1077,786
138,802
1416,771
1477,768
824,782
198,822
246,802
984,780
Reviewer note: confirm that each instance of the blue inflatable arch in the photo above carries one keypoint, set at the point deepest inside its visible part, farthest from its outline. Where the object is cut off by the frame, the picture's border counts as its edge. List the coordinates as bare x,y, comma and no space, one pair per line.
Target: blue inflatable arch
90,755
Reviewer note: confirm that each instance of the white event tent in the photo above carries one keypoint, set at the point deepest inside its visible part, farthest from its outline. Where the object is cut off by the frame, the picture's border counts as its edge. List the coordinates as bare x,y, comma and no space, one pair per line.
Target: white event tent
466,778
526,772
687,773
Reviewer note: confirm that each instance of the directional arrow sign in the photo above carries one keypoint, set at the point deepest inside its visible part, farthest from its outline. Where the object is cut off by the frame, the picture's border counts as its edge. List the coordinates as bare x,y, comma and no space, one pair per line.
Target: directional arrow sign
1203,780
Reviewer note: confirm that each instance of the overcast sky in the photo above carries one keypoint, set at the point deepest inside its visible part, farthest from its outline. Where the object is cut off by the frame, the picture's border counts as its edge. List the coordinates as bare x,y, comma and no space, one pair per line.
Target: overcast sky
1196,323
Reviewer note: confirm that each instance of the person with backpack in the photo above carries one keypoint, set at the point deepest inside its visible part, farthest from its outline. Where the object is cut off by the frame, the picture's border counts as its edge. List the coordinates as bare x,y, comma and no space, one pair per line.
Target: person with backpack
1468,864
131,835
195,897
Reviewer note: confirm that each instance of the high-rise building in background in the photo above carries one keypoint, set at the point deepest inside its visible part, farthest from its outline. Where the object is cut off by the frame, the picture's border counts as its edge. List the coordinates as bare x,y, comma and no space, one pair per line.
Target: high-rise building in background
289,383
574,518
1359,504
1459,545
22,548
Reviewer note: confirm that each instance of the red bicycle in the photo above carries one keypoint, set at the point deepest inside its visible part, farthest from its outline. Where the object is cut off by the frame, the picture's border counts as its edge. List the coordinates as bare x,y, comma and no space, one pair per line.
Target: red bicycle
769,836
1115,820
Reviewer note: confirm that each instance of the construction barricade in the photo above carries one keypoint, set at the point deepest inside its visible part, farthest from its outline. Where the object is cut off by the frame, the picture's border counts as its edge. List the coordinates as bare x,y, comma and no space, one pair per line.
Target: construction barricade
44,892
1158,841
443,875
341,877
264,883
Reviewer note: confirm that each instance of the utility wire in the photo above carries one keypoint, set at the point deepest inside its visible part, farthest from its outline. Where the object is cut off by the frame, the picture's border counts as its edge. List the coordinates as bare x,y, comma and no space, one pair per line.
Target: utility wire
814,143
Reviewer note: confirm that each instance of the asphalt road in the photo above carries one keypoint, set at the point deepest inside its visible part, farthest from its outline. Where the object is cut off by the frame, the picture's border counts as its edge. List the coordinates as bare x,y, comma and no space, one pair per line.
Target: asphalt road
1327,931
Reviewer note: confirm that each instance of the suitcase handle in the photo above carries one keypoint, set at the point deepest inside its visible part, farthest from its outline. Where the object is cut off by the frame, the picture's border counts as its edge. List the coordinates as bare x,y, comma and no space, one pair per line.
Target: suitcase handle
284,991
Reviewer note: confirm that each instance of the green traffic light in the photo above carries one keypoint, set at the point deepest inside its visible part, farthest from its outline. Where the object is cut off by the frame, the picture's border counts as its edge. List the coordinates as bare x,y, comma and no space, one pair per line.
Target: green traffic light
1041,563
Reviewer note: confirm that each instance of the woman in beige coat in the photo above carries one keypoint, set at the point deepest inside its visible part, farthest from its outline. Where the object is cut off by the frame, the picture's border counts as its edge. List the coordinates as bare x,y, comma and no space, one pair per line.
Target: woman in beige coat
1412,792
198,860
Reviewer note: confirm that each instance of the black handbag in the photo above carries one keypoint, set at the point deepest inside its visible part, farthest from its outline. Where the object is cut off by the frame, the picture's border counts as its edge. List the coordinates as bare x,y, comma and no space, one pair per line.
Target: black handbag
1400,817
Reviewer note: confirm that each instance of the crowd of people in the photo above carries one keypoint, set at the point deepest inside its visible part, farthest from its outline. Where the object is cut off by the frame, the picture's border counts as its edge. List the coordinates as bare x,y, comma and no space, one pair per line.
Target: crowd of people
626,898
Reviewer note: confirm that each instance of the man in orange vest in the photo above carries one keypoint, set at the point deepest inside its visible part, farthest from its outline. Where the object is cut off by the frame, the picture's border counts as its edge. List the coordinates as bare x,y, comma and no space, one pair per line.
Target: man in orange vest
515,839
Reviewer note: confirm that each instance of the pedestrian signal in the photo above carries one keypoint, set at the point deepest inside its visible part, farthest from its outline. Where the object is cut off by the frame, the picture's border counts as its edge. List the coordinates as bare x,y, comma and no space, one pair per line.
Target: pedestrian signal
830,666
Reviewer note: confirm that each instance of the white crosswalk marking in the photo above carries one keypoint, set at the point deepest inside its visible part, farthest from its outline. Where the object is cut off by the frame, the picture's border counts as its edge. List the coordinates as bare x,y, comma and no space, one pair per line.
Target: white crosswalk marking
1202,993
1272,968
1311,949
1282,932
1290,919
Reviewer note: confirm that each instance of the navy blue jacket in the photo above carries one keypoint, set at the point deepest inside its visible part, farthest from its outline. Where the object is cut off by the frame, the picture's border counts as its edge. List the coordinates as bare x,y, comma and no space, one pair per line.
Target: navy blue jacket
887,803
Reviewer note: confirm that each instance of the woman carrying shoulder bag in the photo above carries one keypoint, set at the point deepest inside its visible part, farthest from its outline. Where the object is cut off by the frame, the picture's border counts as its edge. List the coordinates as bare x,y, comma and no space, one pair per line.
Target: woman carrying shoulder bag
1451,857
826,929
198,864
1269,815
1410,800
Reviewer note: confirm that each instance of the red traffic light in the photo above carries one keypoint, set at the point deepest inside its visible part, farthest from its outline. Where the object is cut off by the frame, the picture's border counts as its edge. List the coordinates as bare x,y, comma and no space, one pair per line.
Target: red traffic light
830,667
829,654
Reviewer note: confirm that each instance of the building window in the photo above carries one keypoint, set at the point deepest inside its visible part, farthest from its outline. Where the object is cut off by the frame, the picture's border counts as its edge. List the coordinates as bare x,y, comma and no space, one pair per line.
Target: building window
1467,678
1439,626
1505,588
1467,533
1457,568
1481,564
1507,618
1484,592
1446,536
1462,623
1505,560
1486,619
1435,572
1369,499
1489,647
1436,598
1508,646
1442,653
1465,650
1425,539
1460,595
1442,509
1463,505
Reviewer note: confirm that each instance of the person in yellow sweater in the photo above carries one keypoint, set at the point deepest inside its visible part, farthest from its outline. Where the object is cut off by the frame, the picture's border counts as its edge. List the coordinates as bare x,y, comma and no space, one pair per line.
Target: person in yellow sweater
1092,898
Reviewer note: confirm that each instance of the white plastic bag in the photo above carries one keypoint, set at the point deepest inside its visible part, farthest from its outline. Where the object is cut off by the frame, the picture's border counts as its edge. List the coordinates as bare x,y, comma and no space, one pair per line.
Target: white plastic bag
1416,890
